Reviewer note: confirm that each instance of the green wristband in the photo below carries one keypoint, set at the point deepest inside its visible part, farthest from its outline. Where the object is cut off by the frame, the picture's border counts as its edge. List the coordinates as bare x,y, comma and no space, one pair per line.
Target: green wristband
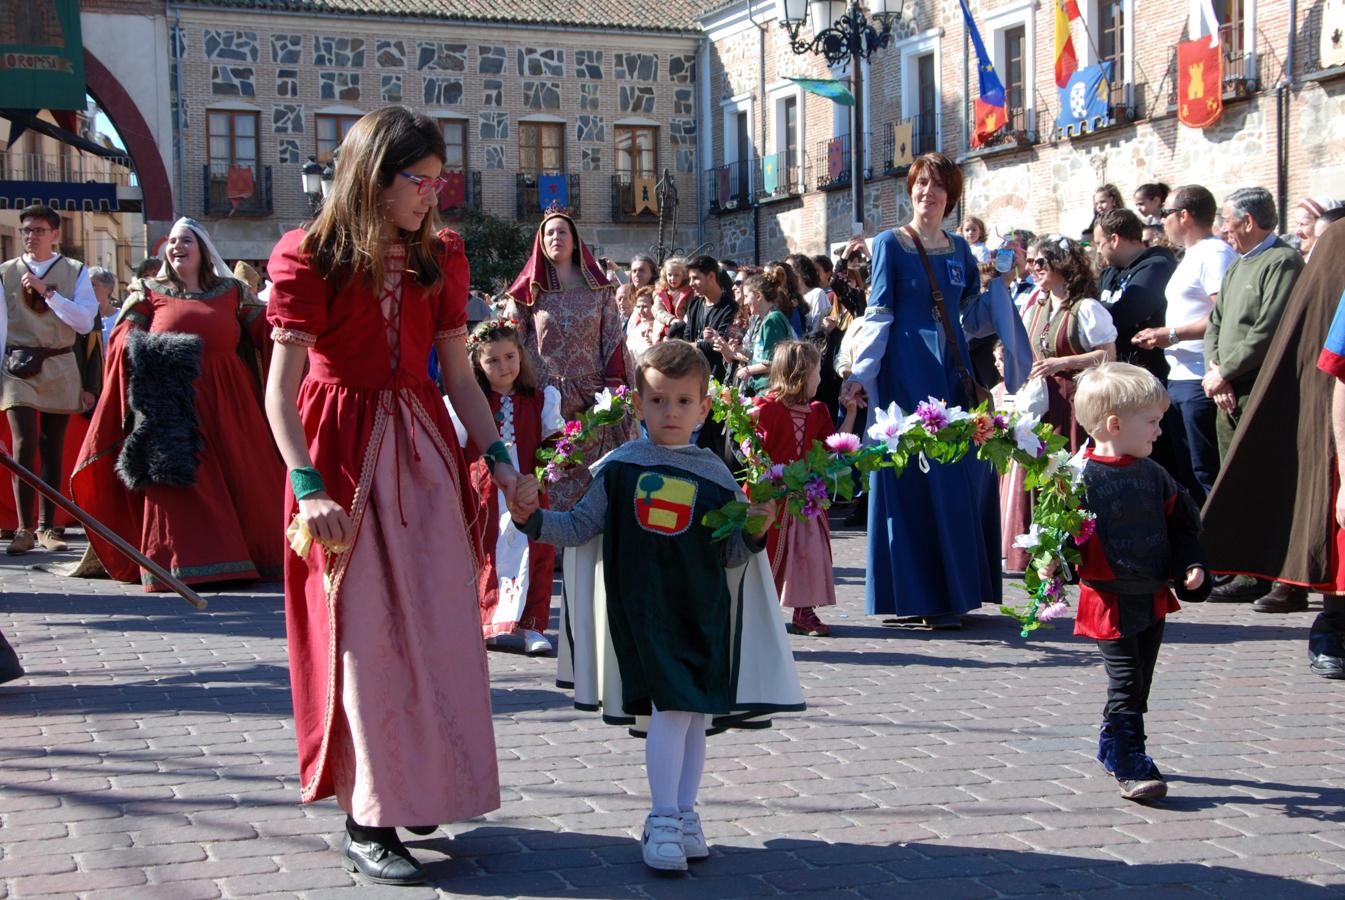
306,482
497,453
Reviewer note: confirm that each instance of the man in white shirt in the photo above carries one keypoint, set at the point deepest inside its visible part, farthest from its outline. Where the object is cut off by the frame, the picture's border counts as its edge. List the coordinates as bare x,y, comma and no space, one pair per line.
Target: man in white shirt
1191,293
49,302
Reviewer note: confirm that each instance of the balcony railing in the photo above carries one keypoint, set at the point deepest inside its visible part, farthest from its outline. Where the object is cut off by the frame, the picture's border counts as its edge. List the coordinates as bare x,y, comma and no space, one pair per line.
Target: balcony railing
74,168
1017,130
833,163
1241,69
452,202
778,175
237,190
730,186
904,140
528,200
624,203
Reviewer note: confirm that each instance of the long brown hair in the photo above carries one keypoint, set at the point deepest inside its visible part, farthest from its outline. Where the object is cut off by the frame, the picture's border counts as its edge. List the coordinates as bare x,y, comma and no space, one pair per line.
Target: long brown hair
1067,256
347,237
787,293
791,364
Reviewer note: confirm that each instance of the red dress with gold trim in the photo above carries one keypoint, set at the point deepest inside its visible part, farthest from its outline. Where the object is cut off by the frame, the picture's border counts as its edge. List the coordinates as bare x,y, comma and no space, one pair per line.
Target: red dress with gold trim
394,615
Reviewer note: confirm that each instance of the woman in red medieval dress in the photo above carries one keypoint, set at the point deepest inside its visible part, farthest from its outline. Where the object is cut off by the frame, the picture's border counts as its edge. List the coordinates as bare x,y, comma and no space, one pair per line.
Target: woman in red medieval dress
178,459
387,664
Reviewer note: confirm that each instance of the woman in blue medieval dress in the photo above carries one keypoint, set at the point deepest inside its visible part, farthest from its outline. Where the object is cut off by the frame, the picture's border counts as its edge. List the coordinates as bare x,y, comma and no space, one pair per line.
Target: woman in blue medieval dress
933,552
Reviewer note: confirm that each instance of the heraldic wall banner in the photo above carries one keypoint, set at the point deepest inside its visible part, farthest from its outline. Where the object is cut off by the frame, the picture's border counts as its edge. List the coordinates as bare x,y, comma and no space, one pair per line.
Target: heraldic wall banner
1200,82
41,55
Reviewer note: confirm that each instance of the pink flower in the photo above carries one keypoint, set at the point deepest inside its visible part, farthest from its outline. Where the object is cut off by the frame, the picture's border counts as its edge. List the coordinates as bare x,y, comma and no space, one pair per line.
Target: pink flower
621,391
573,429
985,428
843,442
815,498
564,447
776,472
1047,613
933,416
1086,530
552,472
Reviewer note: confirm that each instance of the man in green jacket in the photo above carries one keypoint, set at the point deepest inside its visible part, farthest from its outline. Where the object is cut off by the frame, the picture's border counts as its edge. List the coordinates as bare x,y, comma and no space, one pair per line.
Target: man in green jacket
1242,324
1255,290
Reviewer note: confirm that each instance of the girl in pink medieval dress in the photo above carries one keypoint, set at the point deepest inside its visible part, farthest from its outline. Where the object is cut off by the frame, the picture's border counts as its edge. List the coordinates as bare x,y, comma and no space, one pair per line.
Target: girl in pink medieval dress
388,669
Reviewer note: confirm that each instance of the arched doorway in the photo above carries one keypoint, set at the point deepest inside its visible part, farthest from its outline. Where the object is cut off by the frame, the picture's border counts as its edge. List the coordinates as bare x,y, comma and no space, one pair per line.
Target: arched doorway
155,185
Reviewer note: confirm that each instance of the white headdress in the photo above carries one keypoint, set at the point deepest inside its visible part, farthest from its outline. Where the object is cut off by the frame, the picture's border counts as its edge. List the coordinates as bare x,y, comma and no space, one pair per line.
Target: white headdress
208,250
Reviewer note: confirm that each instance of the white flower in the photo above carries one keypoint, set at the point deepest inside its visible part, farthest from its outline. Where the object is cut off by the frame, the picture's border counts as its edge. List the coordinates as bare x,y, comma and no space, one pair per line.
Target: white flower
1076,465
1055,462
889,425
603,400
1025,437
1029,541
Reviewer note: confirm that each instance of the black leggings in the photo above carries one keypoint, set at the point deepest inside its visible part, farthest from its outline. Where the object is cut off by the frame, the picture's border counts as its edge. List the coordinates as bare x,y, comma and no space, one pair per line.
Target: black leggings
1130,669
31,439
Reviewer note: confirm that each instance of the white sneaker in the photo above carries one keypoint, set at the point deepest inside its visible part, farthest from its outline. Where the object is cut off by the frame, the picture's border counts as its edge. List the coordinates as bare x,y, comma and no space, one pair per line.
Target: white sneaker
535,643
693,839
662,844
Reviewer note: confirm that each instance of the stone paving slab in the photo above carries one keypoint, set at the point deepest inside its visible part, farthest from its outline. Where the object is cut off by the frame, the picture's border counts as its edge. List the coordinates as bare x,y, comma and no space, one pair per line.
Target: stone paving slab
149,753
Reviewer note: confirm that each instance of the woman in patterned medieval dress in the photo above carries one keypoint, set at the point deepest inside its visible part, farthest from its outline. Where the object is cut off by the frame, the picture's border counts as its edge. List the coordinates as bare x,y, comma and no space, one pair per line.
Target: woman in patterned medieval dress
388,669
573,330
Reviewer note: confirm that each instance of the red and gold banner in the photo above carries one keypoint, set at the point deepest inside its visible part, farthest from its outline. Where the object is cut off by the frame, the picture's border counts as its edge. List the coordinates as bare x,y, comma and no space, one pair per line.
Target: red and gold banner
1200,82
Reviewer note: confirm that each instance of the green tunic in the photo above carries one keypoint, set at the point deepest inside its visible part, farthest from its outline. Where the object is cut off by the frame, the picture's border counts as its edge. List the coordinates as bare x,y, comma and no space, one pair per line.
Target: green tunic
670,613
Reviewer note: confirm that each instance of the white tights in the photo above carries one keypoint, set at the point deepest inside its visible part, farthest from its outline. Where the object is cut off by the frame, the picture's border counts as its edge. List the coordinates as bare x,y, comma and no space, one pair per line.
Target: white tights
674,757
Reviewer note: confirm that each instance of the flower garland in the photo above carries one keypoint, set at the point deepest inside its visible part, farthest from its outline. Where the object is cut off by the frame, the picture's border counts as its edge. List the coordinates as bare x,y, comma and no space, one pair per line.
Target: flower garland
609,408
934,431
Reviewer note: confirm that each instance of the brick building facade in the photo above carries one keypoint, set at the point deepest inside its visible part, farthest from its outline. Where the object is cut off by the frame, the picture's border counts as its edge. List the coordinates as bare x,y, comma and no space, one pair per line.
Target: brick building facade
588,92
1284,113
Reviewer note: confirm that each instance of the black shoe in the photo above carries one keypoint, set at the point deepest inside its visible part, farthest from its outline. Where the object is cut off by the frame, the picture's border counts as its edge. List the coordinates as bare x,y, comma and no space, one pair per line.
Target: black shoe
422,830
380,862
1283,598
1242,589
1326,647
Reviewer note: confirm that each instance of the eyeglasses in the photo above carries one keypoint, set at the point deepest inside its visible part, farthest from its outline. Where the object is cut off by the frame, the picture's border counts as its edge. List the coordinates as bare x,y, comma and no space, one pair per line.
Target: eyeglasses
37,232
425,185
1039,263
1166,211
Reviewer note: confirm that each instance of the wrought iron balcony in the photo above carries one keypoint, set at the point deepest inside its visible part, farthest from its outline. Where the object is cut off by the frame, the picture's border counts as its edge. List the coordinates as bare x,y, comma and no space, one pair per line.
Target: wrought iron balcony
531,200
730,186
237,190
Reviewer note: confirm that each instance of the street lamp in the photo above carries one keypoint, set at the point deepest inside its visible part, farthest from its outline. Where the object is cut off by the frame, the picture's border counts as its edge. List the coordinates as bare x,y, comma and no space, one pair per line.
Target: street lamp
312,181
841,30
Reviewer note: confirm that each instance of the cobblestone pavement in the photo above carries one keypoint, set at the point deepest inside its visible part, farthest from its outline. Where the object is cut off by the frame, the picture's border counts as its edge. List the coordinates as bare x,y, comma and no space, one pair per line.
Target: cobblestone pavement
149,752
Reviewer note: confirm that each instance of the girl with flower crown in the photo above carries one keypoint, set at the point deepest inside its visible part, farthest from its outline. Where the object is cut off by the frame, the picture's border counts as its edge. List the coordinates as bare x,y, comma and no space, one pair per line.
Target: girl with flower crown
516,575
572,329
789,422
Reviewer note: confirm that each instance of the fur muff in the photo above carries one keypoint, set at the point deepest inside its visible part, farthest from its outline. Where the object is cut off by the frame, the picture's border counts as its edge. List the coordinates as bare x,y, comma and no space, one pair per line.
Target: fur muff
165,435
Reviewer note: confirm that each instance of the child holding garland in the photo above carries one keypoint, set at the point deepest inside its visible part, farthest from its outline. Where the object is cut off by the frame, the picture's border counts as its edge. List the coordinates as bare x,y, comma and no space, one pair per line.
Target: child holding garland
688,618
1147,534
516,574
790,421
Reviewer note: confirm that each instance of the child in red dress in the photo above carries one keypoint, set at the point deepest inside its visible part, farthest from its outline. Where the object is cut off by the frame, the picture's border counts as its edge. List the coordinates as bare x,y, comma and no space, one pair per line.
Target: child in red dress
516,574
789,422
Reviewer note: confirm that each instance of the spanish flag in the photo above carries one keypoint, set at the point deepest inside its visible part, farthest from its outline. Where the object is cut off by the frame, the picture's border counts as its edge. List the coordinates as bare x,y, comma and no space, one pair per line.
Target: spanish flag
1066,62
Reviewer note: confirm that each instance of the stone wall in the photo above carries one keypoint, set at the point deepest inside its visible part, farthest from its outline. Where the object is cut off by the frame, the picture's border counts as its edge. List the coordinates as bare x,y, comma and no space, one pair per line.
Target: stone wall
291,68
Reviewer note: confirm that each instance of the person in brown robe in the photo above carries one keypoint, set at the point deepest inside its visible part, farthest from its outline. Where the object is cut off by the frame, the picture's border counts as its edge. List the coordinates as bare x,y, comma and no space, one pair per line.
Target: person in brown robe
1272,511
